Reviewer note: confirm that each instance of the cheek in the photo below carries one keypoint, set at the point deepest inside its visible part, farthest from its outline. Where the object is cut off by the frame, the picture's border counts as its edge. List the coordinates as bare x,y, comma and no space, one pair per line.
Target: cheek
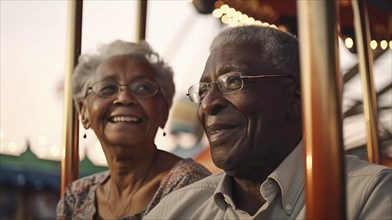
97,109
266,102
155,110
200,116
247,105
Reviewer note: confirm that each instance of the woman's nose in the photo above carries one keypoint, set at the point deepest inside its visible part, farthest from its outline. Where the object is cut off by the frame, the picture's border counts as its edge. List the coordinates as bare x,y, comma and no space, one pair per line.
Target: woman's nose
124,96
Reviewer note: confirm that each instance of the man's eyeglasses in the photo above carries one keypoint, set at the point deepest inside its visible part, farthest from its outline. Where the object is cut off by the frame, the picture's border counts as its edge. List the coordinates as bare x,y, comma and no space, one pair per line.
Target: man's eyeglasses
141,88
228,83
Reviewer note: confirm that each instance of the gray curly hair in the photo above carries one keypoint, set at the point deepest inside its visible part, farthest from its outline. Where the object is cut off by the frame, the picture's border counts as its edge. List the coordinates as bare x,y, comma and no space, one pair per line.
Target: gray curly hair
85,70
278,50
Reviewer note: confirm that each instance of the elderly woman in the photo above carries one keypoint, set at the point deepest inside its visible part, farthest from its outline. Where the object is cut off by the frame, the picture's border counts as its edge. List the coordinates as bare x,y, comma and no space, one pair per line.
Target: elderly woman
124,94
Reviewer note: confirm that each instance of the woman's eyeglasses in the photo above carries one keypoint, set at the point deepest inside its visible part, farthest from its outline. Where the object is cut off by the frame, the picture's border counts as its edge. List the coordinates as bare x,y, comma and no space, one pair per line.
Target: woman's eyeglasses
141,88
228,83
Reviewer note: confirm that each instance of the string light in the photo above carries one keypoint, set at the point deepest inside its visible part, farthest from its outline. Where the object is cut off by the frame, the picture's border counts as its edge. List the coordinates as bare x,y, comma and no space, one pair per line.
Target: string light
232,17
373,44
217,13
383,44
349,42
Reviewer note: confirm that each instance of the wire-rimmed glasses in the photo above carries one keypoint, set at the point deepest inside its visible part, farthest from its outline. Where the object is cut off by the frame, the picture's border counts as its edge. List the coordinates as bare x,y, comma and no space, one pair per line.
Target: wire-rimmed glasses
227,83
140,88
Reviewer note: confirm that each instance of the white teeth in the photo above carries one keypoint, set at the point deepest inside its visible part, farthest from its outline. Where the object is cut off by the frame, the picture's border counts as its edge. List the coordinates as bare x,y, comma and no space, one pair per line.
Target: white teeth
214,132
125,119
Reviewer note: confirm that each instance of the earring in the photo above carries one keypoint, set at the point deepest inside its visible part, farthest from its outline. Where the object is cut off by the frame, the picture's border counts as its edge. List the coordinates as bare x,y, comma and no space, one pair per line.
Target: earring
164,134
85,136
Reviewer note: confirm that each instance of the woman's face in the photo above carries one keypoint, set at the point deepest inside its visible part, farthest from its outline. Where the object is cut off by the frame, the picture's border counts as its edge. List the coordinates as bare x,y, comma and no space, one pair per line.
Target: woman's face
124,119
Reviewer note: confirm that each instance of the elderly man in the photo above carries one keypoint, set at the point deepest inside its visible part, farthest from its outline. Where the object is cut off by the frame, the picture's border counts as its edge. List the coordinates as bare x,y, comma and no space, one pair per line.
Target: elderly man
251,112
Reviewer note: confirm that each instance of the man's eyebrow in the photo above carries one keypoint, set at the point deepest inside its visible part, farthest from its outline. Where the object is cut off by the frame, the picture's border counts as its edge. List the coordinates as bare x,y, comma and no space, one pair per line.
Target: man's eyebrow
230,68
225,69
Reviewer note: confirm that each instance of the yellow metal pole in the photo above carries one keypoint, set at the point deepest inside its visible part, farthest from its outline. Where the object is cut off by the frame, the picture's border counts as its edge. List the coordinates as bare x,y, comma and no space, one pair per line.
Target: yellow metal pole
70,160
362,35
322,117
141,20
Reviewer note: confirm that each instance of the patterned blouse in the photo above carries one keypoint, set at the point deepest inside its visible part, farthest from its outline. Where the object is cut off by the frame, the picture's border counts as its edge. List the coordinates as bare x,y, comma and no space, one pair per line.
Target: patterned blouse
79,201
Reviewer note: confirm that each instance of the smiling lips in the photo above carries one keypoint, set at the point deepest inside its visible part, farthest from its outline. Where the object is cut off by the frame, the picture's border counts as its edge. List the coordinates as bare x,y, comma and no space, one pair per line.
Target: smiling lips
124,118
219,132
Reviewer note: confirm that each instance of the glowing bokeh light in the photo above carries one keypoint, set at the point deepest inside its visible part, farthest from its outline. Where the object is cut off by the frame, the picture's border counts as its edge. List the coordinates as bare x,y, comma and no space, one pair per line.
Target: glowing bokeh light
12,146
373,44
349,42
383,44
42,140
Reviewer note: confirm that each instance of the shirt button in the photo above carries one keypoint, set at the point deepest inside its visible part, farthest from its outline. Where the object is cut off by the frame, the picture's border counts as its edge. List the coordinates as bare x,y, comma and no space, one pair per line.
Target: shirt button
288,207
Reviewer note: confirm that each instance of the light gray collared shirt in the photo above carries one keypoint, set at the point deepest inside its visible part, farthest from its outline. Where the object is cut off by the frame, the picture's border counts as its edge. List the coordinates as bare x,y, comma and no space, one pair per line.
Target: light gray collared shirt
369,193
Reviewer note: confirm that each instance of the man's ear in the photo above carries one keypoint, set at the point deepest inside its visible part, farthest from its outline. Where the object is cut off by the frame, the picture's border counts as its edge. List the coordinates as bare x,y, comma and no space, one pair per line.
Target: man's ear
84,116
294,104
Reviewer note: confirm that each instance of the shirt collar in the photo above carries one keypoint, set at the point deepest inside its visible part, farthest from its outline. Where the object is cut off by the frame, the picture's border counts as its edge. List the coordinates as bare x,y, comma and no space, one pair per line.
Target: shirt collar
289,176
222,194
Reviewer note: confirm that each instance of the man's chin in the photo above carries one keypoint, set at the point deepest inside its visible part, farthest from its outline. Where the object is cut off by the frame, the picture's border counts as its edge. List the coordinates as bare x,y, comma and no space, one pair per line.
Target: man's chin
242,174
231,170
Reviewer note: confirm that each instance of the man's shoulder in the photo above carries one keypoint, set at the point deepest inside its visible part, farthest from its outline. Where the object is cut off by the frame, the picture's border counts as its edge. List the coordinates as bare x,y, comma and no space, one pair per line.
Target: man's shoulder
190,202
358,167
211,182
207,185
363,176
368,189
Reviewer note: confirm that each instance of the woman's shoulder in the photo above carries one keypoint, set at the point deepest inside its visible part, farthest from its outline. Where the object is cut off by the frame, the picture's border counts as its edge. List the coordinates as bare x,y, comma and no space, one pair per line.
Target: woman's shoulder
179,172
79,197
185,172
84,184
189,165
174,165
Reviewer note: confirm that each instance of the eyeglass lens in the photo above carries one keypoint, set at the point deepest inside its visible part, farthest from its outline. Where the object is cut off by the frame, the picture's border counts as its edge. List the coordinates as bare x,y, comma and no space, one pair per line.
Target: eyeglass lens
141,88
227,83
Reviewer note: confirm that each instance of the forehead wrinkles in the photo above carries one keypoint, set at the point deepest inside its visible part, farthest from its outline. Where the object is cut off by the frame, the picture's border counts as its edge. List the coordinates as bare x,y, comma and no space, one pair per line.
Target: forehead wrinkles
122,63
227,60
117,67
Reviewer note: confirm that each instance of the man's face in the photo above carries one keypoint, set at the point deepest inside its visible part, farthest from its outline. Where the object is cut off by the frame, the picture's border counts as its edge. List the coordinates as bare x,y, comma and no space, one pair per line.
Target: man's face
247,129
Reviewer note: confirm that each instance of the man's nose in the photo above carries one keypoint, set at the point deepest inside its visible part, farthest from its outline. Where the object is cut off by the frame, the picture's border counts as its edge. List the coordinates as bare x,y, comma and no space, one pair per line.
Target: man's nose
213,101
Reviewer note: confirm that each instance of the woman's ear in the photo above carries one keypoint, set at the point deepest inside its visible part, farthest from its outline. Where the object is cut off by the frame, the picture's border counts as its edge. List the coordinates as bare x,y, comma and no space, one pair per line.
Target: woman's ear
84,116
164,115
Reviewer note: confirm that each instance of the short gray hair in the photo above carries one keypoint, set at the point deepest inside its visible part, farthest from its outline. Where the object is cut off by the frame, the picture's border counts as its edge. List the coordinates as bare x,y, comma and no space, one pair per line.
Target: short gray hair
278,50
85,70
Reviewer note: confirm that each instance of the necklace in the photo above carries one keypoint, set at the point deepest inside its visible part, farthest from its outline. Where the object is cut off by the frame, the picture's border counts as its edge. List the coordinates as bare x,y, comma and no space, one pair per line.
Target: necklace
141,183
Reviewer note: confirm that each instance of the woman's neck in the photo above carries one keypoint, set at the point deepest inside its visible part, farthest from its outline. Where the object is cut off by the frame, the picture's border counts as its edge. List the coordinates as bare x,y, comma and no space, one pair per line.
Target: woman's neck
128,173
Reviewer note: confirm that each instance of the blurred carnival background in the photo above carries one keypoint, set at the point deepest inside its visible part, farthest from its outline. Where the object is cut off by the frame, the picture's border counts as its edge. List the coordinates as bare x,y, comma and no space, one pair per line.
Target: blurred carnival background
33,48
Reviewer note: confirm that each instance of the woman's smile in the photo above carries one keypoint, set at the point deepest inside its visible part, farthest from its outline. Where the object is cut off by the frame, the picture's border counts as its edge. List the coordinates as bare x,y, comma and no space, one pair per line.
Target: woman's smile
125,118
